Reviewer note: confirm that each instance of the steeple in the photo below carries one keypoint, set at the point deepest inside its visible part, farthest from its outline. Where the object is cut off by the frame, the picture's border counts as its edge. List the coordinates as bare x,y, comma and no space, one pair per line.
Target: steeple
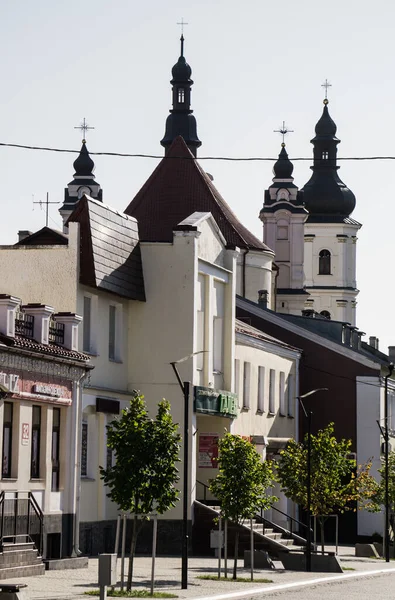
283,168
83,183
326,197
181,121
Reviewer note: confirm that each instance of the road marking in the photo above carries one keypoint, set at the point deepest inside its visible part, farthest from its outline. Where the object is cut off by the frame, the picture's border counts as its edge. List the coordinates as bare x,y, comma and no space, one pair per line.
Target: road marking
286,586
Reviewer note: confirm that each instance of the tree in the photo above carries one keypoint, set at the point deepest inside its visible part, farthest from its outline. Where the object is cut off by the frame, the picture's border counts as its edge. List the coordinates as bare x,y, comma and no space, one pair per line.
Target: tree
337,484
380,495
241,483
144,475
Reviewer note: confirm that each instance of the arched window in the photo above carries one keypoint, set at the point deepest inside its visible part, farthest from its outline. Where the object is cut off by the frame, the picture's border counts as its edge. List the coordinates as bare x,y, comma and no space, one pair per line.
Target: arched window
324,263
282,195
181,95
325,155
325,314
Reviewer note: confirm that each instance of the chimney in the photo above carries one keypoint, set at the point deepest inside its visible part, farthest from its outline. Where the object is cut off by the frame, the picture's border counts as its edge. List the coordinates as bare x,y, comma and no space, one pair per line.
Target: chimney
23,233
42,315
391,353
374,342
70,321
8,306
263,298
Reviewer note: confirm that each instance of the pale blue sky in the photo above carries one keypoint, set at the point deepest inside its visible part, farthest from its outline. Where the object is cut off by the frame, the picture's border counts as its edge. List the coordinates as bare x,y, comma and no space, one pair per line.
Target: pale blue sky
254,64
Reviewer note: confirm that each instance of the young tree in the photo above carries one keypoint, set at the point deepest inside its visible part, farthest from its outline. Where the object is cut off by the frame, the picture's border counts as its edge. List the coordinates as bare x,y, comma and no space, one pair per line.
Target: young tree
380,495
241,483
144,475
337,484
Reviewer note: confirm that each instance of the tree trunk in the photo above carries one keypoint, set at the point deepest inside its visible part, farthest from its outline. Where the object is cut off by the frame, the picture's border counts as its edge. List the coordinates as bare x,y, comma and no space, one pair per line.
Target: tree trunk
236,554
132,551
322,524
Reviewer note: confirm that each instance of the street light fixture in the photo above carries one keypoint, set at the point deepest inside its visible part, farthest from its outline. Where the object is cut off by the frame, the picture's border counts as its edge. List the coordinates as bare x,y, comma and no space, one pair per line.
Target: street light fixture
308,415
185,388
386,438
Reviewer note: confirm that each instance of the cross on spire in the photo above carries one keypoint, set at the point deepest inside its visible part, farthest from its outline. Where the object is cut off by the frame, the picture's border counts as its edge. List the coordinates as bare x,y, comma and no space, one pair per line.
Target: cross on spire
283,131
84,128
326,85
182,23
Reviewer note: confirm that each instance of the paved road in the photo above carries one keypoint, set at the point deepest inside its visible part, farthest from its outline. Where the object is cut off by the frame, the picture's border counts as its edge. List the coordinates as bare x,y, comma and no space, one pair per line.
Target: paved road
381,587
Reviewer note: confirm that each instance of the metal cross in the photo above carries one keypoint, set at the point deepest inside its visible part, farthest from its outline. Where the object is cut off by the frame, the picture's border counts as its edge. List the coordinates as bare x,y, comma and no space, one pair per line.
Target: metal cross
182,23
84,128
326,85
283,130
47,203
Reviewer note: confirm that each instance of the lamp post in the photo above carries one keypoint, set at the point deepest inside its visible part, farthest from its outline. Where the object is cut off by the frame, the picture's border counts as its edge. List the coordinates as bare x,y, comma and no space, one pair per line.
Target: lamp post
185,388
386,457
308,415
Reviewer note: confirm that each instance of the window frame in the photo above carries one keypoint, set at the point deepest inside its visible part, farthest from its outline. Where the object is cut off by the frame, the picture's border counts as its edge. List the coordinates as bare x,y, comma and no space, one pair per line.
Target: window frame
272,392
324,262
55,450
36,433
261,390
7,425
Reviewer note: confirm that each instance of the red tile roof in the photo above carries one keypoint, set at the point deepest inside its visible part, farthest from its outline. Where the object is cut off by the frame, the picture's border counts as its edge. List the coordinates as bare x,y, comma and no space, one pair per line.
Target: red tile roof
177,188
49,349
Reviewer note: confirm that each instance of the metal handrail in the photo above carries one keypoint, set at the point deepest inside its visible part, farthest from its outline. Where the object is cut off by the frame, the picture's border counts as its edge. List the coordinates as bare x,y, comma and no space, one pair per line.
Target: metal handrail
292,519
31,503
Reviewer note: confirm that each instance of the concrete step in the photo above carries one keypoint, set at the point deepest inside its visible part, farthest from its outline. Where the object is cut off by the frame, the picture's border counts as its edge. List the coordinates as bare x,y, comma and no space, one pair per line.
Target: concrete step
10,546
23,571
17,560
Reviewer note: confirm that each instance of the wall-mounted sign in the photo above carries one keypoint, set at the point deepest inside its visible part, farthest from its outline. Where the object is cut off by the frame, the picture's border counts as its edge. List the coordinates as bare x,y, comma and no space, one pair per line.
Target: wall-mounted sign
47,390
25,434
10,381
208,450
215,402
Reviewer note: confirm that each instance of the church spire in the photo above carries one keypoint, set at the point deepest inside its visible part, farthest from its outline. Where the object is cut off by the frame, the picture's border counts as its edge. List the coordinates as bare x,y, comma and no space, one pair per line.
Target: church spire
181,121
82,183
326,197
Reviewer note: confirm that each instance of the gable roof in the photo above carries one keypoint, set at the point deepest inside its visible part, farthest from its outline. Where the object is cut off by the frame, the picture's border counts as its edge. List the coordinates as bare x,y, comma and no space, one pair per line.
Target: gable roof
177,188
110,255
44,237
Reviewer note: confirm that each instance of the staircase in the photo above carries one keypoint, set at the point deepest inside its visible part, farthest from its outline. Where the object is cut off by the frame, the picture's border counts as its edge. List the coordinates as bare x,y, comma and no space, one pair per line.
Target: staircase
21,535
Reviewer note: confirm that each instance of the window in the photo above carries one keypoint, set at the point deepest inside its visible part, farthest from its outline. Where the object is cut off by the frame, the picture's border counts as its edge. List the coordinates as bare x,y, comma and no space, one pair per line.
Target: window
84,450
282,232
55,448
237,377
218,345
325,155
181,95
7,439
290,396
324,263
201,286
272,392
325,314
109,455
86,344
281,390
261,390
112,332
36,435
246,385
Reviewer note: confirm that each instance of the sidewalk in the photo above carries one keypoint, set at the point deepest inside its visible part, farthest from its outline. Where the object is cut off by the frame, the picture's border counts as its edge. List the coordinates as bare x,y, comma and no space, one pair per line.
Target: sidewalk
59,585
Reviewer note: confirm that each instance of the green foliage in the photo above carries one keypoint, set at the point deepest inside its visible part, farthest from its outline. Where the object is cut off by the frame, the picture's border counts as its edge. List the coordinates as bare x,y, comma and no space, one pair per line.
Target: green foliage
146,451
337,484
132,594
380,496
243,479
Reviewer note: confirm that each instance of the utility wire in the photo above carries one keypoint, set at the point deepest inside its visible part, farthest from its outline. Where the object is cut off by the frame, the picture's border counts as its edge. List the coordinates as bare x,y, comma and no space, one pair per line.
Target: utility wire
159,156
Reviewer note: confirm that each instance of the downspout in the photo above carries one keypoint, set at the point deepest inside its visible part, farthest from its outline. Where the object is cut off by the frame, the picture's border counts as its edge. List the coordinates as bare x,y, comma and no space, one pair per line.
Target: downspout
244,272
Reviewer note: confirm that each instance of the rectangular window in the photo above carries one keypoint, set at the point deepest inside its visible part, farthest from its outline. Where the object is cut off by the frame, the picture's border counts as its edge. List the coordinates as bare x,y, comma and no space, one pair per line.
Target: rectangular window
55,448
112,332
281,390
87,342
200,294
290,410
272,391
109,458
84,450
218,344
246,385
36,436
261,389
181,95
7,439
237,377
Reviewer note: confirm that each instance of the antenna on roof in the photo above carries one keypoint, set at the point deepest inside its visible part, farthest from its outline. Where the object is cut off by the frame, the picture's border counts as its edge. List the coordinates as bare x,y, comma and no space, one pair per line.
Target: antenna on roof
45,203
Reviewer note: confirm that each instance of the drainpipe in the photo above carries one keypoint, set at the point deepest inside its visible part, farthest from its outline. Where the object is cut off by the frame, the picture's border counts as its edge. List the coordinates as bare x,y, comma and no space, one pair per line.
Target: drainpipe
244,272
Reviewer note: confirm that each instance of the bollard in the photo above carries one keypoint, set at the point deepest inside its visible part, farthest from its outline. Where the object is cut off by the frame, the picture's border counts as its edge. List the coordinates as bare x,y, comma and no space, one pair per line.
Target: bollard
107,573
13,591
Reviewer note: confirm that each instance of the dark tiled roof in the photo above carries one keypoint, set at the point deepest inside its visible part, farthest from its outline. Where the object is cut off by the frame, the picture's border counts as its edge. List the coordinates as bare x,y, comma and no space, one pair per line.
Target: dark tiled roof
248,329
51,349
177,188
45,237
110,250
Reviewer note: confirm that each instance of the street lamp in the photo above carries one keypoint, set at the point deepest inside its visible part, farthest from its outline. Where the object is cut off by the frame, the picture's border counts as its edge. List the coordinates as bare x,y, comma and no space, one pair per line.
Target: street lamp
185,388
308,415
386,438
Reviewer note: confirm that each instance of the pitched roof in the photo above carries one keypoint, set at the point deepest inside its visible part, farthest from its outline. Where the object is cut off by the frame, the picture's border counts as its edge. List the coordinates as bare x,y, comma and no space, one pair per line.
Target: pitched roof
110,250
247,329
44,237
52,350
177,188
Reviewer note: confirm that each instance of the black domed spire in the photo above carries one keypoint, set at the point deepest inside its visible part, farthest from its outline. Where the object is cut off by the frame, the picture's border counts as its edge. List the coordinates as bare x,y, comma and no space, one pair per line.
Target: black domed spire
181,121
83,164
283,168
326,197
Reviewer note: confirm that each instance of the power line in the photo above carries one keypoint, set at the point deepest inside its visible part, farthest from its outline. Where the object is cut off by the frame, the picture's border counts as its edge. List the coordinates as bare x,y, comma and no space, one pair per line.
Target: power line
160,156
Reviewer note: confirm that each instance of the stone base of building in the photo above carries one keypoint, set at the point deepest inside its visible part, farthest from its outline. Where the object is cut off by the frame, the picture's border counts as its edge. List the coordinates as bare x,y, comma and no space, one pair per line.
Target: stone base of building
99,536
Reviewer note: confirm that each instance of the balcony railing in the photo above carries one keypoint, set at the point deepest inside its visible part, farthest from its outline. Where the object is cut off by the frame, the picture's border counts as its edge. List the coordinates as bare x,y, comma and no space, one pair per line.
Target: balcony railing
56,333
24,324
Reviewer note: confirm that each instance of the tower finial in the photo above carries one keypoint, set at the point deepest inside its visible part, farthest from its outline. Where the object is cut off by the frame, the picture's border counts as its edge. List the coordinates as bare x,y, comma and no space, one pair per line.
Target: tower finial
84,127
283,130
326,85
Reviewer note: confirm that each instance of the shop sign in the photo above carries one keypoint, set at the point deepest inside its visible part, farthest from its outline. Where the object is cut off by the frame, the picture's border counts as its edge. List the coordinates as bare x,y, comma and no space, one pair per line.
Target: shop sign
25,434
47,390
215,402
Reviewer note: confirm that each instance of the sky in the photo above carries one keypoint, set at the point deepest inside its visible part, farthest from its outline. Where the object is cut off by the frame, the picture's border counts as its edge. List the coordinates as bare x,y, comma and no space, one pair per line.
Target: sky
255,64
